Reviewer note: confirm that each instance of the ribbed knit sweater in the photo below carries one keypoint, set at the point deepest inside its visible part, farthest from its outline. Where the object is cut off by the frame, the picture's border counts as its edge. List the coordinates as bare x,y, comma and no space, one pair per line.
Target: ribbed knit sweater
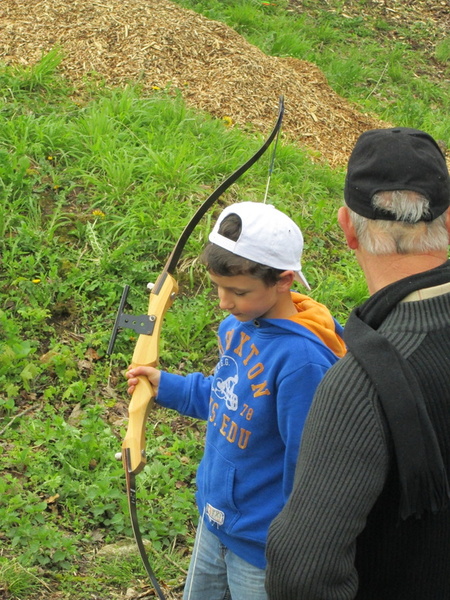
339,537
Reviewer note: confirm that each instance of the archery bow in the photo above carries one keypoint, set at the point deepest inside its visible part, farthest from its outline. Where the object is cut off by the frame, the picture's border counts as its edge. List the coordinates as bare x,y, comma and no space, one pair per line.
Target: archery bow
145,353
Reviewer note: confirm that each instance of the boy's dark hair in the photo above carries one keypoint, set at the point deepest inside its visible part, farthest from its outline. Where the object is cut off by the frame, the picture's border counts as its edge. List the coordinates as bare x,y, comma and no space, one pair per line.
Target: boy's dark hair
227,264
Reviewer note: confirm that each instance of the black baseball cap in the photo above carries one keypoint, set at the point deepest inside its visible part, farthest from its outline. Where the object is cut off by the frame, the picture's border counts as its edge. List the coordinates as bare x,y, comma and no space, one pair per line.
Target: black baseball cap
396,159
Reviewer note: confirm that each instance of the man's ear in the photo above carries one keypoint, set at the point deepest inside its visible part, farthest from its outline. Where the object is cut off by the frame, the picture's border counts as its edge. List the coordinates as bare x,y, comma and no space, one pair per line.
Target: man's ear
347,227
285,281
447,222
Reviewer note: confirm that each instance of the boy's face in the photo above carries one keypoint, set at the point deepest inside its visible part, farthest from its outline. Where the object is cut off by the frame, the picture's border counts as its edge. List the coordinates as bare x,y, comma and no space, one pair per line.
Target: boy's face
246,297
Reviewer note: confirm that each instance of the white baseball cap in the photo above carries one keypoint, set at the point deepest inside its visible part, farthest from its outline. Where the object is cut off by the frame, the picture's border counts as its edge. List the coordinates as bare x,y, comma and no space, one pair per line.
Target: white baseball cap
268,237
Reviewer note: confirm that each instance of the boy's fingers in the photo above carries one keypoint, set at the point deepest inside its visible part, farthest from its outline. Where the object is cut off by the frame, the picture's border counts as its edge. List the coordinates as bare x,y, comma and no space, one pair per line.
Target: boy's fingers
132,374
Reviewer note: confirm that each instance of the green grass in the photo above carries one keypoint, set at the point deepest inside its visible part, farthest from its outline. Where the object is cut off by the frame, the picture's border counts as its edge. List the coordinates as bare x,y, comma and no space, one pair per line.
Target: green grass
93,195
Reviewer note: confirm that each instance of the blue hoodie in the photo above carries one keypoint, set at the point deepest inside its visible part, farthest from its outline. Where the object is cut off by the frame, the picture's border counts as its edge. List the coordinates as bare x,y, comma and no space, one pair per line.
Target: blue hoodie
255,405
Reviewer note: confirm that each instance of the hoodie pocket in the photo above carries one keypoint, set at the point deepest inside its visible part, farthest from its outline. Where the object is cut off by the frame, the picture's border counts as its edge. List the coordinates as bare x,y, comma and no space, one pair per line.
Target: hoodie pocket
216,482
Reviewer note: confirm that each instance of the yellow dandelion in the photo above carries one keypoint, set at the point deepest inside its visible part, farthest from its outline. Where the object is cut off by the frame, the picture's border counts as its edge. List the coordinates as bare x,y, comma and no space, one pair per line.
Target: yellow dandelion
228,121
155,87
98,213
37,280
50,157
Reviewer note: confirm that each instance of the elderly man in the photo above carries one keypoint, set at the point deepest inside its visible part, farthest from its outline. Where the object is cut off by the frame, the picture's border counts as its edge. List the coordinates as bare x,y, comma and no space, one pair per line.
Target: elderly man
369,515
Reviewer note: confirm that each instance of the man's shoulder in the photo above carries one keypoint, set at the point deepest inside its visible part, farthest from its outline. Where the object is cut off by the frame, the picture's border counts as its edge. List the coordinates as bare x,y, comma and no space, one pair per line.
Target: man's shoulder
346,389
344,375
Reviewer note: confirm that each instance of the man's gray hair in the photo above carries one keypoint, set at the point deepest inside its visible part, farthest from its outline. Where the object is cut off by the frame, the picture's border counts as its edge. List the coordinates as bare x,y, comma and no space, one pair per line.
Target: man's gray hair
407,234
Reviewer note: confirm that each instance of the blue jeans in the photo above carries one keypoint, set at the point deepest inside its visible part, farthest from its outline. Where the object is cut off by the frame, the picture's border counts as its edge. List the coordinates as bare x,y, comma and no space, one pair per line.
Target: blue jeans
216,573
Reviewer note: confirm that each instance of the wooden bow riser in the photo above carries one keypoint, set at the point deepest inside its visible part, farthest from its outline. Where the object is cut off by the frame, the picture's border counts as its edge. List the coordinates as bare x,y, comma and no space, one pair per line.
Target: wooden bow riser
146,353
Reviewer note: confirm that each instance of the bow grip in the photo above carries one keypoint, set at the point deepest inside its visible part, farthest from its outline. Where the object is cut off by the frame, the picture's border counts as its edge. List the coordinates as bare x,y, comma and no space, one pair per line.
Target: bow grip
146,353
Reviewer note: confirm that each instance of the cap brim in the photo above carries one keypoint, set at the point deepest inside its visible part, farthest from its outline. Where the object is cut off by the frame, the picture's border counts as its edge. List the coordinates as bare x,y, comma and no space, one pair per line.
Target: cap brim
298,276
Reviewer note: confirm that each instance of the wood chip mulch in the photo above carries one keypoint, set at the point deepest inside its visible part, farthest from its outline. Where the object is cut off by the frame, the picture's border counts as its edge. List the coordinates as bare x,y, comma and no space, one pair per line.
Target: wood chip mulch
159,44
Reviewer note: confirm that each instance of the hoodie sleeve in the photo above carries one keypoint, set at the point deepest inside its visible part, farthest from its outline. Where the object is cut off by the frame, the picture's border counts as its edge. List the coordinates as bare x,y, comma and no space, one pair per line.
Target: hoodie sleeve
189,395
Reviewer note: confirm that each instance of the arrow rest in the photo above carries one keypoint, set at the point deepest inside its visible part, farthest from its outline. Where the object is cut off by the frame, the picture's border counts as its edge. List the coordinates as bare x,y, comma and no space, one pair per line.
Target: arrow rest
141,324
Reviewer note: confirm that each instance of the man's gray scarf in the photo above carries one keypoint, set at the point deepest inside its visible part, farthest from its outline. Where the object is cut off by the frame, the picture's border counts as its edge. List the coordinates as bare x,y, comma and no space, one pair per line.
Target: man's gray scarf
423,479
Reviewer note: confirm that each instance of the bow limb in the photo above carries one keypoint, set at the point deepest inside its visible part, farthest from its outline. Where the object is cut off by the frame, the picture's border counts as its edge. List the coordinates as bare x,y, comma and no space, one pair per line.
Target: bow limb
131,493
176,252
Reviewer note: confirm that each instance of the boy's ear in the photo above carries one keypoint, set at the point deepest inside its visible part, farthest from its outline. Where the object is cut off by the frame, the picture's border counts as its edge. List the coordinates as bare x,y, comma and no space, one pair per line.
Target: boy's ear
285,281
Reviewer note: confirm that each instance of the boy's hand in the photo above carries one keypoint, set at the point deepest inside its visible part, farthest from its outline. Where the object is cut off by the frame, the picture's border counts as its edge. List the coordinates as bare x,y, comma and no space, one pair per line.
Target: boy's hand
152,374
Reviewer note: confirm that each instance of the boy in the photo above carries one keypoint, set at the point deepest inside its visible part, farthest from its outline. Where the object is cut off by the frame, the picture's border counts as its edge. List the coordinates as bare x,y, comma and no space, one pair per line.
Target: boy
275,347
